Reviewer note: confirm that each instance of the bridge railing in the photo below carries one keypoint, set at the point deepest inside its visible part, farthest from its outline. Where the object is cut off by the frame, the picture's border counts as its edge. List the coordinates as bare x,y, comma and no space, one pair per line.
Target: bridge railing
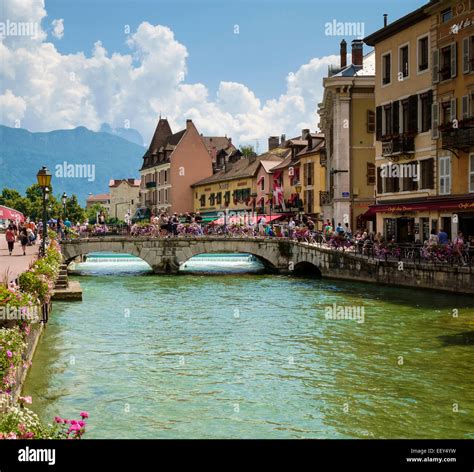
416,252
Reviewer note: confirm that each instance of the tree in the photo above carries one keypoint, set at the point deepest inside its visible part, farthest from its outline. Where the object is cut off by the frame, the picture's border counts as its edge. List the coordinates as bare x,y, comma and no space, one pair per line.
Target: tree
74,212
248,150
92,211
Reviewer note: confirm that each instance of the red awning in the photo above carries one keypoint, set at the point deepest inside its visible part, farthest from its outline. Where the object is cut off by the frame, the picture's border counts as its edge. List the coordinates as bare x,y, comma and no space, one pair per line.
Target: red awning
467,204
259,181
11,214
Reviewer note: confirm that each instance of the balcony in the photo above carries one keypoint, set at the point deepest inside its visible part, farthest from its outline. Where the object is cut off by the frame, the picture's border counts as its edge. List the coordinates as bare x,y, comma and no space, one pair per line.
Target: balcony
458,138
325,198
398,145
150,184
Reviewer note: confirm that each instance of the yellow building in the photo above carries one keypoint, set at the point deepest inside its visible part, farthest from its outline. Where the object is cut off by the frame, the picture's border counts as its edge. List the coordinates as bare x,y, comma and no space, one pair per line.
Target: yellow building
452,33
234,188
312,181
347,119
421,186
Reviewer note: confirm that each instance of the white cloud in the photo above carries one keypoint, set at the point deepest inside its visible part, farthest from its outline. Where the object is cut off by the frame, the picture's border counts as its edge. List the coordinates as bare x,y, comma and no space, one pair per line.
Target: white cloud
49,90
58,28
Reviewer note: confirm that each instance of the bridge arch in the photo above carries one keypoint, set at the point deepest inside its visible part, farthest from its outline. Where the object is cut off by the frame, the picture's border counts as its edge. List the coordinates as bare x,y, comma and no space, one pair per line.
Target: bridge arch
72,250
306,269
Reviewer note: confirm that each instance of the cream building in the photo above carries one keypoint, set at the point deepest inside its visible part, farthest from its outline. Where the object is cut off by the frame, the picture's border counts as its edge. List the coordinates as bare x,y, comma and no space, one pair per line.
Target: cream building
124,197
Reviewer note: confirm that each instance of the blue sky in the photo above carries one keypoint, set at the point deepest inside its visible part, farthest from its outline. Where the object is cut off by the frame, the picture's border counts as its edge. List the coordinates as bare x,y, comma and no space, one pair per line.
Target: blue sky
276,36
180,58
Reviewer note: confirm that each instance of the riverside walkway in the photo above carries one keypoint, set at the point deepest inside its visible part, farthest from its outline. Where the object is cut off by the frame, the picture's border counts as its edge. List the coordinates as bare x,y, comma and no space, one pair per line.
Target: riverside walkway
17,263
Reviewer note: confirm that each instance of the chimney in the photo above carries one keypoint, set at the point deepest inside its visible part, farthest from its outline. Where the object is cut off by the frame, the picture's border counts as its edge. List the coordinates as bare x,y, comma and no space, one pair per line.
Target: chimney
189,123
343,50
357,45
385,22
283,140
304,132
273,142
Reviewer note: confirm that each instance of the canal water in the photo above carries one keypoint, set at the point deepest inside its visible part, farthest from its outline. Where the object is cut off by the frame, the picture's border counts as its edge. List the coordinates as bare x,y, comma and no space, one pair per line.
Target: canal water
213,355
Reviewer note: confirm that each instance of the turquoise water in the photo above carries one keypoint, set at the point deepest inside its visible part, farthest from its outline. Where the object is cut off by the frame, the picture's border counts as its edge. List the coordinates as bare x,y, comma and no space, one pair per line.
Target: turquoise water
253,356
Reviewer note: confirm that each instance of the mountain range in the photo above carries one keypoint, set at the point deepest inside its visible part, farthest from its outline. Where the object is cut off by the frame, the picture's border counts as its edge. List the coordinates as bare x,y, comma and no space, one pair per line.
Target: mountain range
81,161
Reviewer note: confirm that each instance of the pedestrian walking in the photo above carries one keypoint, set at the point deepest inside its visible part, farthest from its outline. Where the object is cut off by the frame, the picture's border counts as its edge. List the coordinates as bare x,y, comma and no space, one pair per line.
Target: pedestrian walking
10,237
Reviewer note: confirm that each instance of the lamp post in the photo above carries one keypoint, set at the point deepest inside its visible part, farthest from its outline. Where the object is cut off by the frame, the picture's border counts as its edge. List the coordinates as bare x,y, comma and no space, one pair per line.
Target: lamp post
44,181
64,200
298,191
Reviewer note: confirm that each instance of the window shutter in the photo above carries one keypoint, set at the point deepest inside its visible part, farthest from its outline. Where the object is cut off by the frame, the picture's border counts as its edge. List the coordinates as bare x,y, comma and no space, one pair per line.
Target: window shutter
395,117
453,60
430,173
465,107
379,181
378,124
370,173
434,120
465,56
453,110
413,113
436,66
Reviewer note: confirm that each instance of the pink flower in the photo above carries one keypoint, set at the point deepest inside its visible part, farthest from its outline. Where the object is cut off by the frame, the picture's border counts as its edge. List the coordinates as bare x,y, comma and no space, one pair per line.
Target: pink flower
74,422
81,423
58,419
26,400
84,414
9,354
74,427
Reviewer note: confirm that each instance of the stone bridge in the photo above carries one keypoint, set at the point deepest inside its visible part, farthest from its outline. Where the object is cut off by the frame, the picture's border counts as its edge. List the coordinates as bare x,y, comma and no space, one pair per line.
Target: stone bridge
279,255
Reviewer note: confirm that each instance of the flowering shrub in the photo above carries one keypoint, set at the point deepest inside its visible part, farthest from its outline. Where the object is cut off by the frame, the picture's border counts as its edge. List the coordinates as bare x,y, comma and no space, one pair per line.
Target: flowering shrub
35,284
19,422
12,345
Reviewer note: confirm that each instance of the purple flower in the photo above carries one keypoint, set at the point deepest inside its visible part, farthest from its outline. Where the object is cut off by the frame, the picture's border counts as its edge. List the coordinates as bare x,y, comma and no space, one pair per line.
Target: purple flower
9,354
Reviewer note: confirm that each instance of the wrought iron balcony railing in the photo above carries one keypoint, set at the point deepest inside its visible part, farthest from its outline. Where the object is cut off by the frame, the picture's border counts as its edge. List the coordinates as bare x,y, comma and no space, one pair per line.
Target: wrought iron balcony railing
398,145
150,185
459,138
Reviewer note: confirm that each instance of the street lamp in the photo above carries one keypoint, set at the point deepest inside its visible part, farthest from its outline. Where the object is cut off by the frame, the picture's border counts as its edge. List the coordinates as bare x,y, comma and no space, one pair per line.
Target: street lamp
44,181
64,200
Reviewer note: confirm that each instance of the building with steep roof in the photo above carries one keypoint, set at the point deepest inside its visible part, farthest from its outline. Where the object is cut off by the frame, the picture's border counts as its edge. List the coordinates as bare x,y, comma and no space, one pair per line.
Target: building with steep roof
171,164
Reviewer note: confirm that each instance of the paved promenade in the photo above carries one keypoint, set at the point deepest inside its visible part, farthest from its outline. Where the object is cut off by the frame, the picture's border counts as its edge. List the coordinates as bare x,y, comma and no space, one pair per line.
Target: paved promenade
17,262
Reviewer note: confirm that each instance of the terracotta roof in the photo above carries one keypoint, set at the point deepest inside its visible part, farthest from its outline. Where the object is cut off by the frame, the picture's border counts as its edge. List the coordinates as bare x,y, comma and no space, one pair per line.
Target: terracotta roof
98,197
319,144
242,168
285,163
218,142
131,182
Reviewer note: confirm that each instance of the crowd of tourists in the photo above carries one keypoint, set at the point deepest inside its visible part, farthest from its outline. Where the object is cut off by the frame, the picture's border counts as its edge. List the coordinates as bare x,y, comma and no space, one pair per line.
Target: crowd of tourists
25,234
301,228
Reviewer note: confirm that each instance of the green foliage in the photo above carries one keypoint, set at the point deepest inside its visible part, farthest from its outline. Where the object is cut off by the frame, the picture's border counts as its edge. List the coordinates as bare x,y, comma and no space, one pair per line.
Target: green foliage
35,284
248,151
32,204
